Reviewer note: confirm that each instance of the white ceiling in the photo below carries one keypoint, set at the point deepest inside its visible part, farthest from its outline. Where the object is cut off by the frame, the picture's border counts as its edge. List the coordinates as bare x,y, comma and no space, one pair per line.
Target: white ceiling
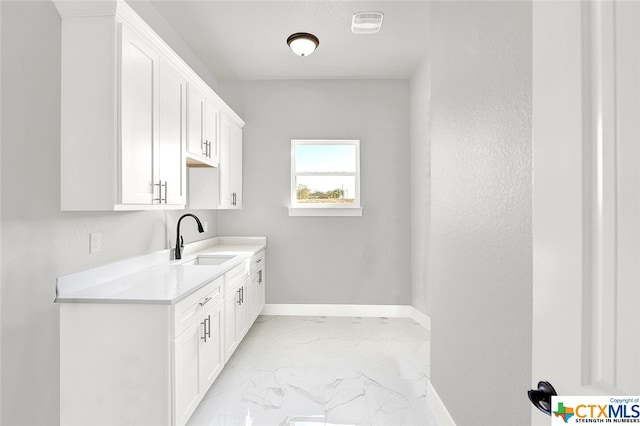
246,40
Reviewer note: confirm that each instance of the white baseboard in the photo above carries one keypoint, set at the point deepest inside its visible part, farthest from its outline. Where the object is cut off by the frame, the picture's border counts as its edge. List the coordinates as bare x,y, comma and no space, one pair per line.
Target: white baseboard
420,318
440,412
389,311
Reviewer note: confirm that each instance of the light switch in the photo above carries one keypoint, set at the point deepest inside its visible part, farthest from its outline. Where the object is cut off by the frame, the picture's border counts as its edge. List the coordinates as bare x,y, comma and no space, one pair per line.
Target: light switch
95,242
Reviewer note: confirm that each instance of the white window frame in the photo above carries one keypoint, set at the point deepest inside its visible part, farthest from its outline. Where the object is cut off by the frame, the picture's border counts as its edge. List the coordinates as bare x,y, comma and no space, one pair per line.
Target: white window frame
324,209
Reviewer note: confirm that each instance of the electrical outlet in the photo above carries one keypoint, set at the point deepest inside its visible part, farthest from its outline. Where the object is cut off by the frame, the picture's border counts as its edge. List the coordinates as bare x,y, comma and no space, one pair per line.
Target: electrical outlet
95,242
205,225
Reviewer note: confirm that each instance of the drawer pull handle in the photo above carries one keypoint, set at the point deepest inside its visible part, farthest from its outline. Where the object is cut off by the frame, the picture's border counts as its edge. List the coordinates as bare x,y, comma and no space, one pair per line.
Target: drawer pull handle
259,260
205,301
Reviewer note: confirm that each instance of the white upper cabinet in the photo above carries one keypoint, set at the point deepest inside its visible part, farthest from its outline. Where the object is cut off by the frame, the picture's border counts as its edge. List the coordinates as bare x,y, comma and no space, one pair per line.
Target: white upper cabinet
220,188
171,166
195,128
139,124
211,114
152,116
131,117
202,147
230,173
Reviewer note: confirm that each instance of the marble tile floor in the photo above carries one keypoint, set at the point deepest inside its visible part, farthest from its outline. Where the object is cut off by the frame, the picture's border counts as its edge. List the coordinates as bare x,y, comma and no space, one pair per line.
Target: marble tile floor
314,371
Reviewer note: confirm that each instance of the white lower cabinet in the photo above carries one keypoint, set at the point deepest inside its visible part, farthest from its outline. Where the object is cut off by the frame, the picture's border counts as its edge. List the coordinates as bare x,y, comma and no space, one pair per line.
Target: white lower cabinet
236,302
151,364
198,359
257,286
187,390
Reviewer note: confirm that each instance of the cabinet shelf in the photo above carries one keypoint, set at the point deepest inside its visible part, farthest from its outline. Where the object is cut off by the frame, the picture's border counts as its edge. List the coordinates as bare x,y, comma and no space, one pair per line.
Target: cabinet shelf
195,161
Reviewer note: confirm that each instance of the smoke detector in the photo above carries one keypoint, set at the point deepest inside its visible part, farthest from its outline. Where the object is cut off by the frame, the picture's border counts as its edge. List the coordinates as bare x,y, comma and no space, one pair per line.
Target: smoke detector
366,22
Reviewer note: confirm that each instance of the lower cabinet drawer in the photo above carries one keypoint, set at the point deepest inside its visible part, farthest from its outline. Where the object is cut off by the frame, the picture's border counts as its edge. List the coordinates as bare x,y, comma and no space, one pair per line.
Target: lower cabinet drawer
257,261
235,277
188,310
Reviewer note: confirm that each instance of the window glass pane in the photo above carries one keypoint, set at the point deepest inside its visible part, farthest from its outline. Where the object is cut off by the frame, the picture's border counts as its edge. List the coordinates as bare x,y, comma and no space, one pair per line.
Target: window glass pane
325,189
325,158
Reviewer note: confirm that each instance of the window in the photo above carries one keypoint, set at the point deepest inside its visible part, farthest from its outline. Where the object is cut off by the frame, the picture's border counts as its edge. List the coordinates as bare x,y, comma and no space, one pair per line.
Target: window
325,178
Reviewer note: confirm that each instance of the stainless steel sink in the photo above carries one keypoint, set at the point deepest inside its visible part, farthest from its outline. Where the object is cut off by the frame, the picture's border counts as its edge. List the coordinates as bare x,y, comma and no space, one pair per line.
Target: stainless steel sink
210,260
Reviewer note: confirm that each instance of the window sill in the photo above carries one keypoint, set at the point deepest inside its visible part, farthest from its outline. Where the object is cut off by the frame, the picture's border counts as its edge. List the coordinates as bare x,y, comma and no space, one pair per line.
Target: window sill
325,211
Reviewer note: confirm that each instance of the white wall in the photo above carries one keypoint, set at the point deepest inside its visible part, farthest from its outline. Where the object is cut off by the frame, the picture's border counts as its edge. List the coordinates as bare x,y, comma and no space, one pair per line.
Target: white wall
481,249
343,260
420,149
39,242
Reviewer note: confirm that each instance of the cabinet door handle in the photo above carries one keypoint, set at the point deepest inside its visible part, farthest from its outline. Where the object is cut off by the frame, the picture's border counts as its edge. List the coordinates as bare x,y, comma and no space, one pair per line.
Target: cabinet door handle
159,185
208,331
242,294
204,333
165,192
239,297
205,301
260,276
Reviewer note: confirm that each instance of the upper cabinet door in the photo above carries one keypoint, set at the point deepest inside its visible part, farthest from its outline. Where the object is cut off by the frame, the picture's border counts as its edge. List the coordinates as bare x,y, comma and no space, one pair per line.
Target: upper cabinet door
139,118
170,158
224,169
211,132
230,174
195,119
202,128
236,166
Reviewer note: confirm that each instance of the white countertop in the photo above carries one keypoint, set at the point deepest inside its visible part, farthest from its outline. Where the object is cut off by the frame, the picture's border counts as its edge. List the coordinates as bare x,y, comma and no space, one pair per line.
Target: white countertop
154,278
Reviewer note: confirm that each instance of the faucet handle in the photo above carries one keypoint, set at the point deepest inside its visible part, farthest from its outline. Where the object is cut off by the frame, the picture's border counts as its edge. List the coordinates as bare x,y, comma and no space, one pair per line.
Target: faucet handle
181,242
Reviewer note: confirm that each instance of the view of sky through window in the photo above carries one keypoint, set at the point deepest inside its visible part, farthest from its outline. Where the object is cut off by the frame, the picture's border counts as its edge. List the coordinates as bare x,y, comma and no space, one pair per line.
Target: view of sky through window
323,159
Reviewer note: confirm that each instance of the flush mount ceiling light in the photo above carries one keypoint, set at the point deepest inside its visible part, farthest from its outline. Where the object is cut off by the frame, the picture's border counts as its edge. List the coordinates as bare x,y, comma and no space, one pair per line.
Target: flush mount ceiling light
366,22
303,44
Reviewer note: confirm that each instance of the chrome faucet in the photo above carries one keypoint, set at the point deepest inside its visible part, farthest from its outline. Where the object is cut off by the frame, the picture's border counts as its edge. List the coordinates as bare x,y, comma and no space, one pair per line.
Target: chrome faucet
179,240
